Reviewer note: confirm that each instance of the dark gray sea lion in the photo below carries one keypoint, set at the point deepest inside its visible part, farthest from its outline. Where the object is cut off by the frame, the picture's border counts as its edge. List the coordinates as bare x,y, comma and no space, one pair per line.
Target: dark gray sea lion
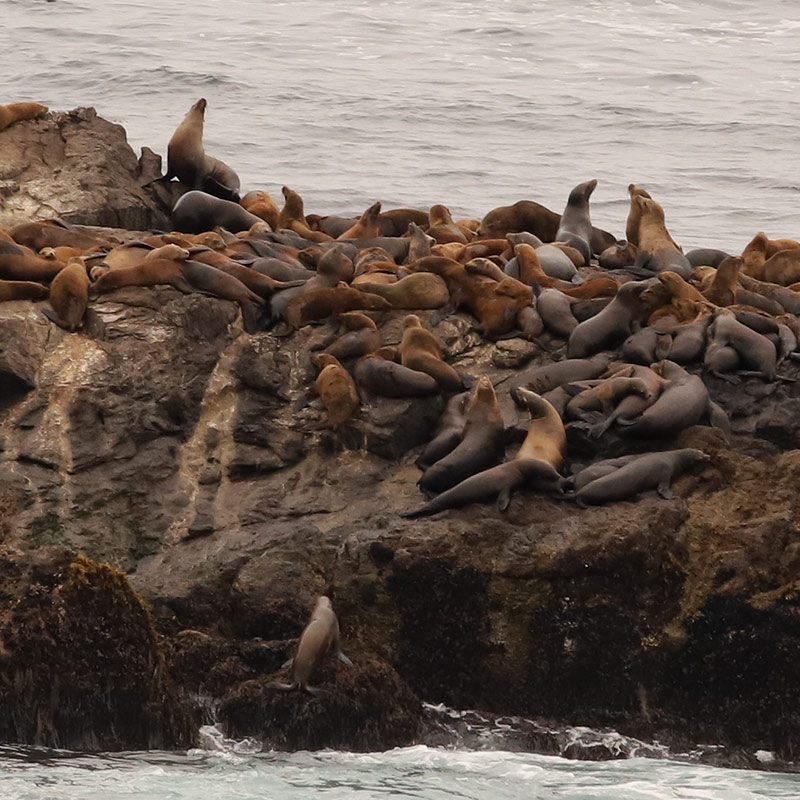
550,376
388,379
498,482
555,309
187,161
619,255
319,638
757,353
480,447
650,471
600,469
575,227
449,433
706,257
197,212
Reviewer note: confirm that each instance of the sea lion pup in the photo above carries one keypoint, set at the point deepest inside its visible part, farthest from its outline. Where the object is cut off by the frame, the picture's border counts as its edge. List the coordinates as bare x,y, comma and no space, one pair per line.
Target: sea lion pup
367,227
657,249
647,345
575,228
481,446
292,218
449,432
69,296
441,226
685,300
336,389
550,376
317,304
650,471
722,289
603,397
524,215
53,233
682,403
199,212
261,204
619,255
498,482
16,112
362,337
420,350
546,439
783,268
756,352
600,469
20,264
613,324
187,161
22,290
380,376
706,257
320,637
419,243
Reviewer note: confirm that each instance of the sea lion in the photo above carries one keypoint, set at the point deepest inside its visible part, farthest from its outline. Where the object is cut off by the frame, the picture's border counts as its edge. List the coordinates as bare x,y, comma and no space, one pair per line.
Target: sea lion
449,433
633,404
481,445
320,637
600,469
187,161
16,112
555,309
395,221
389,379
22,290
546,439
336,389
420,350
261,204
650,471
783,296
575,227
362,337
419,243
69,296
533,273
367,227
619,255
53,233
706,257
497,482
325,302
292,217
612,325
198,212
18,263
688,340
685,301
783,268
755,351
550,376
441,226
524,215
657,249
263,285
646,346
722,289
604,396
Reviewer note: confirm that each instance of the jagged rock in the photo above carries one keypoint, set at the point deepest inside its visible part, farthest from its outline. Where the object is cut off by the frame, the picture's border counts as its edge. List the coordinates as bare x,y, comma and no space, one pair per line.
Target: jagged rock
79,167
80,667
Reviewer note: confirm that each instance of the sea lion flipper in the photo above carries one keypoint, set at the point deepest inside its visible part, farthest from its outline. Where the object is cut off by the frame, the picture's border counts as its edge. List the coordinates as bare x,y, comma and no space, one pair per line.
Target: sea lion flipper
287,664
343,658
53,317
504,498
281,687
181,284
213,186
664,489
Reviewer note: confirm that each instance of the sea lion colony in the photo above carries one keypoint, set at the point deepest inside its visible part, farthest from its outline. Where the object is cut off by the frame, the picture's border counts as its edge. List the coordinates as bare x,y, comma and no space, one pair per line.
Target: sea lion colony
640,318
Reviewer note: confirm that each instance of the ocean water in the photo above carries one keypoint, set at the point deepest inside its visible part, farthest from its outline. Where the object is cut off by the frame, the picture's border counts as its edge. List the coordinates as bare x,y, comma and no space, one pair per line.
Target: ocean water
412,772
468,103
475,105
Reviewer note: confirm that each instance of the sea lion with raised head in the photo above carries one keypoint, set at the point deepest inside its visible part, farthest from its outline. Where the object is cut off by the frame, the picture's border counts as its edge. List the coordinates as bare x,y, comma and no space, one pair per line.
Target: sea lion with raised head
319,638
657,249
292,217
442,227
420,350
261,204
187,161
449,432
575,227
546,439
367,227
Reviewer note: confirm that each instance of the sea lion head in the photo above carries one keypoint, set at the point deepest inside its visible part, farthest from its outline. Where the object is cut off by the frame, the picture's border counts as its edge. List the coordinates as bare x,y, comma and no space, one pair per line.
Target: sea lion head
322,360
170,252
200,106
355,321
582,192
439,215
411,321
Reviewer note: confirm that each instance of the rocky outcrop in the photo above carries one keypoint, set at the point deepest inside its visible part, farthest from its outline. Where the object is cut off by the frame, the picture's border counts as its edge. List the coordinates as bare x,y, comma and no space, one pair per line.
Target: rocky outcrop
79,167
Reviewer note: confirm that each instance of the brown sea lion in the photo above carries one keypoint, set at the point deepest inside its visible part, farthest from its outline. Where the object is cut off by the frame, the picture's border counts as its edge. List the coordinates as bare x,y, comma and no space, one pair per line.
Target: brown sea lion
52,233
336,389
480,447
419,243
575,227
199,212
782,295
722,289
187,161
783,268
152,273
650,471
442,227
22,290
389,379
498,482
612,325
635,403
420,350
604,396
263,285
657,249
524,215
362,337
69,296
319,638
292,218
367,227
19,263
318,304
16,112
546,439
261,204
